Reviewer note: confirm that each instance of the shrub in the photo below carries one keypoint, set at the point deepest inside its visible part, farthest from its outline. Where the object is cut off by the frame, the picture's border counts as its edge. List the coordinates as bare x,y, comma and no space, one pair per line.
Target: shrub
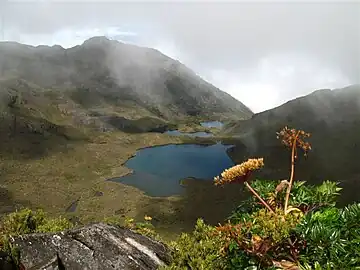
333,233
200,249
27,221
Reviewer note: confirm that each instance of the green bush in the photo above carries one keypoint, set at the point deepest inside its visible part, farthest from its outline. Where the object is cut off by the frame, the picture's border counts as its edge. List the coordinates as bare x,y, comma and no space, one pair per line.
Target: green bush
27,221
200,249
333,233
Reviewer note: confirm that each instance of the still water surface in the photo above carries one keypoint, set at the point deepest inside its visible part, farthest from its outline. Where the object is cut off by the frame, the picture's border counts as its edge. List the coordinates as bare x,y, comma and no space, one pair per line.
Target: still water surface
158,170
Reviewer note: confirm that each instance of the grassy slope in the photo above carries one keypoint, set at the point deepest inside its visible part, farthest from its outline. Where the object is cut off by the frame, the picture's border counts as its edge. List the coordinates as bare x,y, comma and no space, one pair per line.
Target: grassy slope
333,119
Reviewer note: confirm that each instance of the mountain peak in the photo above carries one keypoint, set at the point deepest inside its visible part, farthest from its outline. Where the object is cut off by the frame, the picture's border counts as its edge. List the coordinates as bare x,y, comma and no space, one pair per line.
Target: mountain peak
108,73
99,40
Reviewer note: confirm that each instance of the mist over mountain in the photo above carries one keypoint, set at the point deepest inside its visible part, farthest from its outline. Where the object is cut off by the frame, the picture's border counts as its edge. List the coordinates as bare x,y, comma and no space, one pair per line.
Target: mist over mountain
333,119
106,73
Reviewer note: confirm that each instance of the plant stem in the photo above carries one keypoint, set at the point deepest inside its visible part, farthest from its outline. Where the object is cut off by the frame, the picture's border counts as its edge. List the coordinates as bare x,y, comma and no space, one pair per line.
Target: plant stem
292,173
258,196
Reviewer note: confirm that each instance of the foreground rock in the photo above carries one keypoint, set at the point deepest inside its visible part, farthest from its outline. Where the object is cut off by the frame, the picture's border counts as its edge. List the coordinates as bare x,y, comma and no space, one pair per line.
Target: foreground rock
97,246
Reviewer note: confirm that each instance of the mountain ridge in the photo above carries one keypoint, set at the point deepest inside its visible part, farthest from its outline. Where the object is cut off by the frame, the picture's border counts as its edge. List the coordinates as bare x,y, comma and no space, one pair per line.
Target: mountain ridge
142,75
332,117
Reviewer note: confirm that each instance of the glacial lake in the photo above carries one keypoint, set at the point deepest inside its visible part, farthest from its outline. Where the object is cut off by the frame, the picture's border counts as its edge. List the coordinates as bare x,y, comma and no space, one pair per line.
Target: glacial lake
158,170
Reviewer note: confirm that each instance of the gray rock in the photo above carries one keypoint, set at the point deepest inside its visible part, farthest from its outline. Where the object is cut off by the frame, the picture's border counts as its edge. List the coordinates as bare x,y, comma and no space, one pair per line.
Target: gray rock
96,246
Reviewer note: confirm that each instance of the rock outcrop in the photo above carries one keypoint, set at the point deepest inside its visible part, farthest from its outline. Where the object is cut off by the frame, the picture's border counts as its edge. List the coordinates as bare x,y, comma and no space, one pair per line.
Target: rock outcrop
96,246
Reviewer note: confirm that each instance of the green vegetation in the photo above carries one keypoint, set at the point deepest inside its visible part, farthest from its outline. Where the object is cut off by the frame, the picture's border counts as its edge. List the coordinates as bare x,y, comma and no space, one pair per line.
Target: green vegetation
199,250
285,225
27,221
258,239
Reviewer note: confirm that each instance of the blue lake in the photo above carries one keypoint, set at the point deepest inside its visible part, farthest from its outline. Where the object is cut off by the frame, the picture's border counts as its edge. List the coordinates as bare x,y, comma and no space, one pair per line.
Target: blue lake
158,170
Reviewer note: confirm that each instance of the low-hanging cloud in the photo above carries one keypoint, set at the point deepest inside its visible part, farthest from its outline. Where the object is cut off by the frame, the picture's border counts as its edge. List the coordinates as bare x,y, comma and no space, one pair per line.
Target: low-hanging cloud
261,53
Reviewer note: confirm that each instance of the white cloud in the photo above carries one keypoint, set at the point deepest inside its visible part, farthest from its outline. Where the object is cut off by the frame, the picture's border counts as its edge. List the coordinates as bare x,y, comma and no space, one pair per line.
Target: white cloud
70,37
271,82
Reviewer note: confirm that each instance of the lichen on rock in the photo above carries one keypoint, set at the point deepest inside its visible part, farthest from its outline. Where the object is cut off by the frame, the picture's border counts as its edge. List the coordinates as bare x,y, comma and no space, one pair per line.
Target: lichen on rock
96,246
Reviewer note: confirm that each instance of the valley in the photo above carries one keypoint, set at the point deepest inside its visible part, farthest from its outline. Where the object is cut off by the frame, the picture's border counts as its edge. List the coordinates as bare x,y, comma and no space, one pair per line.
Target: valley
64,134
75,123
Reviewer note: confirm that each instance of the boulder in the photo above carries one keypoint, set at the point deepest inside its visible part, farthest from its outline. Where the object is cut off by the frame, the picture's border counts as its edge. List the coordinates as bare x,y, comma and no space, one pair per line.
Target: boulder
96,246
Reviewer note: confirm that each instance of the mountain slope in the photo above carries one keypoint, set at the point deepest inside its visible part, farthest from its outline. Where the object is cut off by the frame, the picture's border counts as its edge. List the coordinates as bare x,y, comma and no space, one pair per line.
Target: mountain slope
333,119
102,73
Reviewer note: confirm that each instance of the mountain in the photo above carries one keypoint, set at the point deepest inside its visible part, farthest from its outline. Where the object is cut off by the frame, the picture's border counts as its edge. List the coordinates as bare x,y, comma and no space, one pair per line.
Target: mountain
102,85
333,119
106,75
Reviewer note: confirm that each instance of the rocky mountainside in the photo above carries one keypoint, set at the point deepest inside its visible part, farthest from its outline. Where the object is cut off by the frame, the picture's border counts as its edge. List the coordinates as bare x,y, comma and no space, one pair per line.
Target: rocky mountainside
50,95
102,76
333,119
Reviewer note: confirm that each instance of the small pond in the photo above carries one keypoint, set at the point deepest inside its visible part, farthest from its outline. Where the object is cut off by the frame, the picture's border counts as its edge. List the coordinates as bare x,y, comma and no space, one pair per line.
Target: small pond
158,170
212,124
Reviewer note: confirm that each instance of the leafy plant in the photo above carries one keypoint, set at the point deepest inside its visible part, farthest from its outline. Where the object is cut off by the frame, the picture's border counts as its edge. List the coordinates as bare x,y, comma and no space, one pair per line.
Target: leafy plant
316,266
201,249
334,233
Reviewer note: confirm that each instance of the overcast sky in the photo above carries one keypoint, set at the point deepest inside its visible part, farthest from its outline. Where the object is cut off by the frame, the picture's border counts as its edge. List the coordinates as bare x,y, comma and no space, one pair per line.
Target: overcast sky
261,53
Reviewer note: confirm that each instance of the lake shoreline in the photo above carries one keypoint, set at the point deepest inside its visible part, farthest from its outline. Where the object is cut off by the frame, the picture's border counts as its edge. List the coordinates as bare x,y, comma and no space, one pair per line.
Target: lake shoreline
148,168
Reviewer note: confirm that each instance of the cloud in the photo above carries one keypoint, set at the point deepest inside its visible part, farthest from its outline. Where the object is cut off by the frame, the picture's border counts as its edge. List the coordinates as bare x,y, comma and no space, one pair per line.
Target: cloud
261,53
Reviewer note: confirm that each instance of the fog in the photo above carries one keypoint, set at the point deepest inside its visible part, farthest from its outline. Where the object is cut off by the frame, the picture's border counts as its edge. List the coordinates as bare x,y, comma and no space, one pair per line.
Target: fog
261,53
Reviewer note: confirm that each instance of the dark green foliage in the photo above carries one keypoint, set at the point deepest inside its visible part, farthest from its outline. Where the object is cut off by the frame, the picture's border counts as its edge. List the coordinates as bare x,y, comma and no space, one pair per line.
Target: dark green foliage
333,233
304,196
